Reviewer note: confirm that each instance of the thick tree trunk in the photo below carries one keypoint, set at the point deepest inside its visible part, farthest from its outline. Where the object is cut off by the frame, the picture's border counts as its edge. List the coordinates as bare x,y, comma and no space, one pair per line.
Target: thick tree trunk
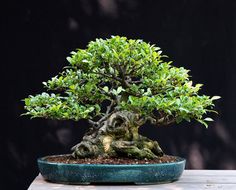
118,137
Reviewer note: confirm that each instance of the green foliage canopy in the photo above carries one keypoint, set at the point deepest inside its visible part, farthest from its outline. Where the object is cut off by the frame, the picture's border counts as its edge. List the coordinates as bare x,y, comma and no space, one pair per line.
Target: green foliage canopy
132,75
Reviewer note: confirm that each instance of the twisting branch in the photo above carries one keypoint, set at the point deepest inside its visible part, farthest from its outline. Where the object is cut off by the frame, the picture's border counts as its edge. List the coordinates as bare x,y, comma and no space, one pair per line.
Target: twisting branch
106,116
108,76
110,106
170,122
97,124
164,121
93,124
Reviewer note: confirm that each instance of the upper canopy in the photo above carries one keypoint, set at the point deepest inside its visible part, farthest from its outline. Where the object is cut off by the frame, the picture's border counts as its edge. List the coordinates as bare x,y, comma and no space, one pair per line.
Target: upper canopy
132,74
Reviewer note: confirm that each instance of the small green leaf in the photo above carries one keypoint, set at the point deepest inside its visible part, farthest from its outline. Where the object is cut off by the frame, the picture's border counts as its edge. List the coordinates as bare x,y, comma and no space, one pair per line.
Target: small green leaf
90,109
215,97
184,110
114,92
105,88
199,85
119,90
68,59
131,99
178,102
44,83
85,61
208,119
203,122
178,119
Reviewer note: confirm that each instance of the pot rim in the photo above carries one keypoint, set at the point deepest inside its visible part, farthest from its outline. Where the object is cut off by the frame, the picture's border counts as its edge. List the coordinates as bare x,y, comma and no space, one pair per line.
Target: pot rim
42,160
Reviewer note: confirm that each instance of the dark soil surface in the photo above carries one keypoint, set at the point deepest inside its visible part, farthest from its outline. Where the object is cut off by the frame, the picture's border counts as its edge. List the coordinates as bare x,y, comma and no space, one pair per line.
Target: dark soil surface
68,159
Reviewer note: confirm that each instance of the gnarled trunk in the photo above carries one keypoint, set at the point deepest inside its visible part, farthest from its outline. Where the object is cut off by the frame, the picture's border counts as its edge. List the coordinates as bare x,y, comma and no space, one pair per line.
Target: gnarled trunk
118,137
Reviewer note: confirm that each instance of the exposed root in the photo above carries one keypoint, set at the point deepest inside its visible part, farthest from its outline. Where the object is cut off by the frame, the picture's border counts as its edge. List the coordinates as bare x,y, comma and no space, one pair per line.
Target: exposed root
118,137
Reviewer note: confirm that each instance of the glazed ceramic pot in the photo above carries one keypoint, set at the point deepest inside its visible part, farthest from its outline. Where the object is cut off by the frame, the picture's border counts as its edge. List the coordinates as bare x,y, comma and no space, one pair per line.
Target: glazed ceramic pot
111,173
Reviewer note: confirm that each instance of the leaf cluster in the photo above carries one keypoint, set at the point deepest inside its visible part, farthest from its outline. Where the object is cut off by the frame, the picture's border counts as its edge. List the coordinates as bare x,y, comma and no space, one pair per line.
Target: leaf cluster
132,75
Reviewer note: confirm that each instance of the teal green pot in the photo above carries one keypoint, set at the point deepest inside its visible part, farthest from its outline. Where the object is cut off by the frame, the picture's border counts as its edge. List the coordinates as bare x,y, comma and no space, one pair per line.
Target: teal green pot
111,173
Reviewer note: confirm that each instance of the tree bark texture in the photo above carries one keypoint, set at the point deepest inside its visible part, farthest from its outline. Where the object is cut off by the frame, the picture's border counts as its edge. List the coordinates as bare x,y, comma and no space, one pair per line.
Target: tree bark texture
117,137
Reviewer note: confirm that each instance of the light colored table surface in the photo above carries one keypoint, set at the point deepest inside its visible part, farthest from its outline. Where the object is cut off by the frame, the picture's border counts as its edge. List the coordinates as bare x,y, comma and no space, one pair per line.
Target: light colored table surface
190,180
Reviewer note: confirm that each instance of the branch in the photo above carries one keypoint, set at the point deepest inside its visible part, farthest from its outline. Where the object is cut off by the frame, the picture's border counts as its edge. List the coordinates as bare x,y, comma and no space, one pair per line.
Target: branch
108,76
106,93
112,76
165,121
110,106
93,124
162,120
122,73
136,82
105,117
135,69
170,122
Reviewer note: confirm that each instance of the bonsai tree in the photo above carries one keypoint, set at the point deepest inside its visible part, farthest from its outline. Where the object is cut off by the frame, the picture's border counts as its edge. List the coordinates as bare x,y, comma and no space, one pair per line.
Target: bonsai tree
119,84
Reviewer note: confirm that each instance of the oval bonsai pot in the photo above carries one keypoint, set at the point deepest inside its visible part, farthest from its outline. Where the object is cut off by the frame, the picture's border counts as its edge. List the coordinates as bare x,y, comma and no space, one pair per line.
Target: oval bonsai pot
111,173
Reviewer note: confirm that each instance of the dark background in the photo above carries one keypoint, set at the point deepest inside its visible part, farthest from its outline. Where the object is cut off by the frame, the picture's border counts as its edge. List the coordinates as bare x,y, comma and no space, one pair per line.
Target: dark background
38,35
